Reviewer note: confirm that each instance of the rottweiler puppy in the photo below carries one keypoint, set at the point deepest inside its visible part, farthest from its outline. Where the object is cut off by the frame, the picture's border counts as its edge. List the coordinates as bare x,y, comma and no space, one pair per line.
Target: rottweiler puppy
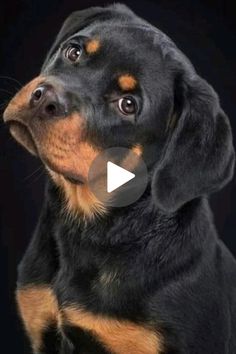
151,277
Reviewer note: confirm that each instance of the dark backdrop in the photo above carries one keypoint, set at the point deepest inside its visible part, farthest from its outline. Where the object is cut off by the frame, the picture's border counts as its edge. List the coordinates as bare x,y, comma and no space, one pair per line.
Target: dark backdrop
204,30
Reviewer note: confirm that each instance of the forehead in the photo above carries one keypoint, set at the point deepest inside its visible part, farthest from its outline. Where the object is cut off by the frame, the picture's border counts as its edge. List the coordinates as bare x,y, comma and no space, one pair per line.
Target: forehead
117,49
122,43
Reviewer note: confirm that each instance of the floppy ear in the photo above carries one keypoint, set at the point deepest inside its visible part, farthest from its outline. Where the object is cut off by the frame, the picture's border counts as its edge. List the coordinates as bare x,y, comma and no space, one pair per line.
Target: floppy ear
199,155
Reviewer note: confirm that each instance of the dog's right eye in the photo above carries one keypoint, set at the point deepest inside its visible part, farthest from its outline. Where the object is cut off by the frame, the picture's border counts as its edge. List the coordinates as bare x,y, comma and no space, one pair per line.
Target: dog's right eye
73,53
127,105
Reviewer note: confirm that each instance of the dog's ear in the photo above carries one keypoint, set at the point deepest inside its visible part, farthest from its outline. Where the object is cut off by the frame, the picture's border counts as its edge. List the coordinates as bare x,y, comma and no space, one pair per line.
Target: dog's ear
199,154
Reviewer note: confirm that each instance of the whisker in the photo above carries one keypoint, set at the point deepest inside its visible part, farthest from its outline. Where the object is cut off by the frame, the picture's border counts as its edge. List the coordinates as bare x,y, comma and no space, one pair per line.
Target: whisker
6,91
40,168
3,105
12,79
38,176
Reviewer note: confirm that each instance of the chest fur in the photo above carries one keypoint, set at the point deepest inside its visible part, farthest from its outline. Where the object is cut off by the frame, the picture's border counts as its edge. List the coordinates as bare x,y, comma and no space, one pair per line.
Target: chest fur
39,308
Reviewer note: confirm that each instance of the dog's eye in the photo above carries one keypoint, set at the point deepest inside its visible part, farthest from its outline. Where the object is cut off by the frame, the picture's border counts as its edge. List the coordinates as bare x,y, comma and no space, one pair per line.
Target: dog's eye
127,105
73,53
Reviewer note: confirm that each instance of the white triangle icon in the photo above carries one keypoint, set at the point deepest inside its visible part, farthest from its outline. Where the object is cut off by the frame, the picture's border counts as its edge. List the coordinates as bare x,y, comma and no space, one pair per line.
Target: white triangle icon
117,176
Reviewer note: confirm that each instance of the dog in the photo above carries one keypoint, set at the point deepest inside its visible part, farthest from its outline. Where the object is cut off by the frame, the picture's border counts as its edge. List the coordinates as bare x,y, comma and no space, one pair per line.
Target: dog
152,277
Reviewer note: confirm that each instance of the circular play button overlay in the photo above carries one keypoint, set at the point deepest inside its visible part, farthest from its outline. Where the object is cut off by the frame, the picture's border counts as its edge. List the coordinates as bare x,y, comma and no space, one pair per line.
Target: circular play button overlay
118,177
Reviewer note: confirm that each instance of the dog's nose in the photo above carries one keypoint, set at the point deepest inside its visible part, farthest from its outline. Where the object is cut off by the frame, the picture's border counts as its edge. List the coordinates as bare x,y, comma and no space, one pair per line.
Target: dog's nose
47,102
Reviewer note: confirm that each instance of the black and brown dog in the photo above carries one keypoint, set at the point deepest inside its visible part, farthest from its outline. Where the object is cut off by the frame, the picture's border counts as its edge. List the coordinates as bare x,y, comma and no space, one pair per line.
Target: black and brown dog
152,277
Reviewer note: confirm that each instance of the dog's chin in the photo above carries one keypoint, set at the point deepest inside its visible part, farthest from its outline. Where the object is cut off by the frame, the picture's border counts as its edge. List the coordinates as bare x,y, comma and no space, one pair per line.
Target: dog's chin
74,179
23,136
69,176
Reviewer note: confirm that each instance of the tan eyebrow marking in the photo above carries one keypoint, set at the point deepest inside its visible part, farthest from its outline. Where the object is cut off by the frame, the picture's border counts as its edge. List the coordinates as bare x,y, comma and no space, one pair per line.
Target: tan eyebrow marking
127,82
92,46
137,149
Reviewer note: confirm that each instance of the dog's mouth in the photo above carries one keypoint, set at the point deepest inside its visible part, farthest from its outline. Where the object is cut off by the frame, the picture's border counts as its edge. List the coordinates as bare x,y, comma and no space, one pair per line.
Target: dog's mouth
22,134
71,177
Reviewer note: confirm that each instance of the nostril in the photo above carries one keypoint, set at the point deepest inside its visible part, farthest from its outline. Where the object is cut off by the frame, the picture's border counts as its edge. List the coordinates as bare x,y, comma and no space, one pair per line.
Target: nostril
47,102
51,109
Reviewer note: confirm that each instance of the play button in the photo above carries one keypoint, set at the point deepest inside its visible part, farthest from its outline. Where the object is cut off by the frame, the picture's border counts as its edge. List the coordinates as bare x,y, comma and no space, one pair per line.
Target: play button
118,177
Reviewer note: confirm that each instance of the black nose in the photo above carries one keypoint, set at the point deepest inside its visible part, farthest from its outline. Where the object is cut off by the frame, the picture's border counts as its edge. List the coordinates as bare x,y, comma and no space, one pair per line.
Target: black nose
47,102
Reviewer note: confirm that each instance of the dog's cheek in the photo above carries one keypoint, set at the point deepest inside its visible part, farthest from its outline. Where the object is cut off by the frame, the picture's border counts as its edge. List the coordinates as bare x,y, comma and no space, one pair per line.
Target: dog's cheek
78,200
61,143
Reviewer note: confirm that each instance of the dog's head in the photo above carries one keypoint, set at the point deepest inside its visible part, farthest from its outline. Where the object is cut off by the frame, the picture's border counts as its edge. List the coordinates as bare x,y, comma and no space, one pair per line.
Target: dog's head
112,79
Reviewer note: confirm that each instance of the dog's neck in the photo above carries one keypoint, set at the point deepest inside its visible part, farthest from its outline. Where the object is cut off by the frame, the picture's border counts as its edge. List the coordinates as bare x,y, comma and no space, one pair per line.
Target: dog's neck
138,223
140,236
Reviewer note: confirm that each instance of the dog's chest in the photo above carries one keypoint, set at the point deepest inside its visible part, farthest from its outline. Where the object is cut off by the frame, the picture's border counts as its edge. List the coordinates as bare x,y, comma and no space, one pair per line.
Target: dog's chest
93,294
40,309
117,336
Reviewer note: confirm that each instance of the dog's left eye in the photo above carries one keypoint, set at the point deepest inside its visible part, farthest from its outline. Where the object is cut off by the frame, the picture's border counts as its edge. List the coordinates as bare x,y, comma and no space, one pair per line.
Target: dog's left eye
73,53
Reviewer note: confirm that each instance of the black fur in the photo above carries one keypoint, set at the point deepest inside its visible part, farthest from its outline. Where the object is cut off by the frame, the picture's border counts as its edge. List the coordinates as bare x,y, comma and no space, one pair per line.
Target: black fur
52,340
172,269
83,341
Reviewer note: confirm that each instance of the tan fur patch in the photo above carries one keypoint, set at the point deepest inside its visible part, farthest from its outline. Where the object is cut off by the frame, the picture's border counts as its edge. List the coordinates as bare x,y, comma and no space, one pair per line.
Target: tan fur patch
79,199
130,163
120,337
92,46
66,152
21,99
62,145
127,82
138,150
38,307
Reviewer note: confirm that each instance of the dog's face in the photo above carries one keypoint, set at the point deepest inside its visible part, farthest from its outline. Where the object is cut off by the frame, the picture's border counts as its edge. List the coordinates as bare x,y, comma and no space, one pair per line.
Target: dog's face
97,90
111,79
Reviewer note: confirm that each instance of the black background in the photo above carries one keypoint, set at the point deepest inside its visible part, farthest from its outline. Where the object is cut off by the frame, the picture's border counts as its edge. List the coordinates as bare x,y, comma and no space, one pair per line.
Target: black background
204,30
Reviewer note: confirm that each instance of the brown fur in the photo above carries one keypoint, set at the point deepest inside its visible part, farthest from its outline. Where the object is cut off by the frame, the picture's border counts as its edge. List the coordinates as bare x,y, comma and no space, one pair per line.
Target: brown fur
92,46
127,82
138,150
60,145
22,98
130,162
66,152
118,336
79,199
38,308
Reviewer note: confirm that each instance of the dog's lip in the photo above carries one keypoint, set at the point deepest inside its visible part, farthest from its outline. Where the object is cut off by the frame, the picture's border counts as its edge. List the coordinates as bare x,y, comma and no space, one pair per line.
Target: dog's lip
68,175
74,180
22,134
